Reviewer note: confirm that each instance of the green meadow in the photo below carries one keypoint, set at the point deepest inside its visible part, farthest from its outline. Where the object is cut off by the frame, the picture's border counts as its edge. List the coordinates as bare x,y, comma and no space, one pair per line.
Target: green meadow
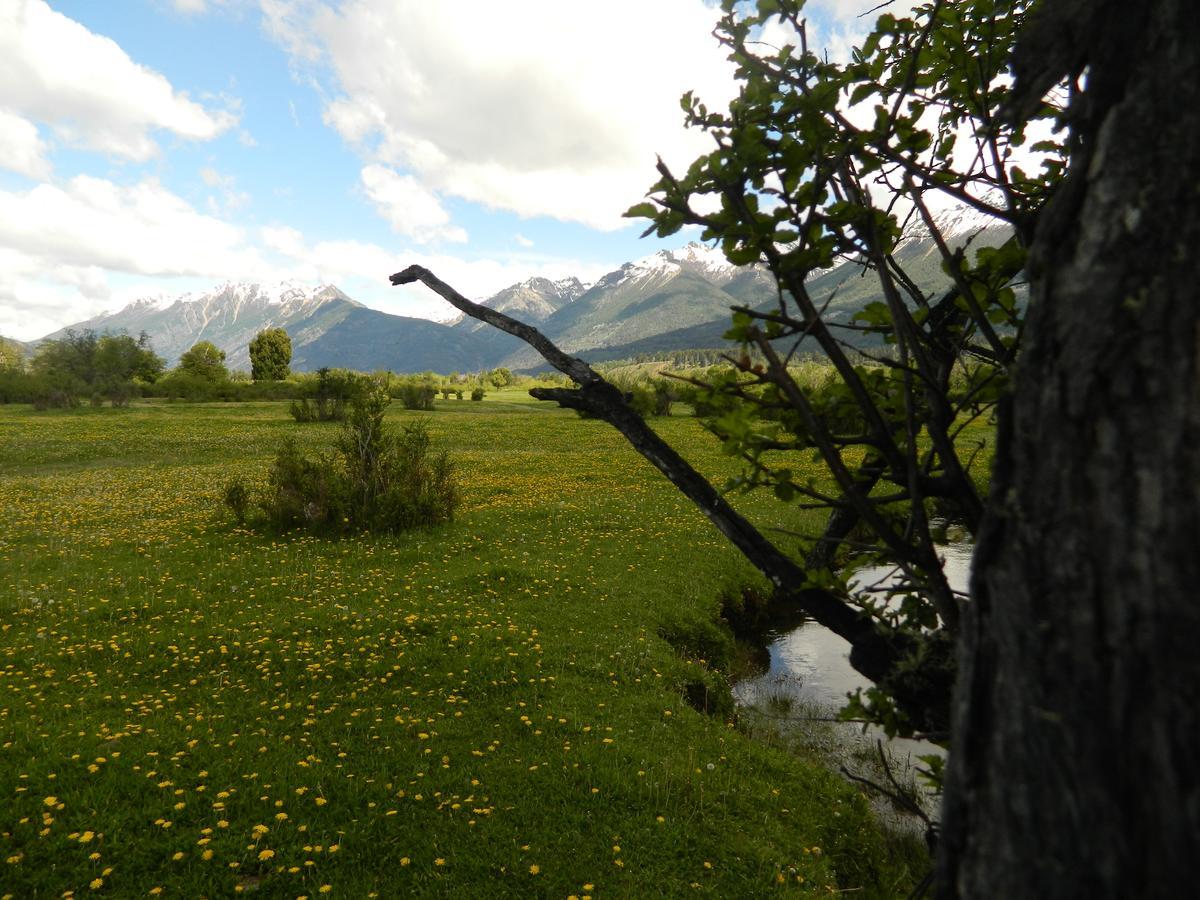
485,709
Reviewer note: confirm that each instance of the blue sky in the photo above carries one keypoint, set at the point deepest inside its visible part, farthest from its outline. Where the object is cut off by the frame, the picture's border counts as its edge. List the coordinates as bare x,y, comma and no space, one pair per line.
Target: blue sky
154,147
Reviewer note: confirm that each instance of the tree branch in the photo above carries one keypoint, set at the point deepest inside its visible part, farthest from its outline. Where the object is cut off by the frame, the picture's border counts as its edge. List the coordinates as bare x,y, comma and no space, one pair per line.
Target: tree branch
876,655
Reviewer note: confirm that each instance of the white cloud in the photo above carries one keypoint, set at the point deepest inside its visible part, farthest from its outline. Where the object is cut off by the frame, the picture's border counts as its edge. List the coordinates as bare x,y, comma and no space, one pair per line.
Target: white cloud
227,198
69,252
87,89
284,239
522,240
37,298
362,269
21,148
64,246
285,21
546,108
413,211
142,228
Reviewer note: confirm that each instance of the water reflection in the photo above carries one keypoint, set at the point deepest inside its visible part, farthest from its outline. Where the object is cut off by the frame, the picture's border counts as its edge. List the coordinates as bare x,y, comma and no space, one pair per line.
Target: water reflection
808,672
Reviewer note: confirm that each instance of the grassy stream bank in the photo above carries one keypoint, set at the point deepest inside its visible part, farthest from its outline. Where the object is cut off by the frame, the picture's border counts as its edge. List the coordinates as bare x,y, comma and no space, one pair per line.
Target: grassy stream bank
488,708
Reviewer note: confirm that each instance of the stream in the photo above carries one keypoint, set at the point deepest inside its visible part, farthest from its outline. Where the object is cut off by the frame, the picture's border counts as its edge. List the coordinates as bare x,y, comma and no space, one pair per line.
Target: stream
809,673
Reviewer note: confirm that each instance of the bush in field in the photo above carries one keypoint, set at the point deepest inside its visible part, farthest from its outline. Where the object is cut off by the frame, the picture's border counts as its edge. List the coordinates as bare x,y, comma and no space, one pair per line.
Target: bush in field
641,398
377,478
237,497
477,393
417,395
55,390
327,400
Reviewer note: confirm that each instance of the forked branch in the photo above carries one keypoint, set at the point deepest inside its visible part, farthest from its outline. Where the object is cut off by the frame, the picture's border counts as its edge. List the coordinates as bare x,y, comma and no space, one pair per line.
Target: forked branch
875,654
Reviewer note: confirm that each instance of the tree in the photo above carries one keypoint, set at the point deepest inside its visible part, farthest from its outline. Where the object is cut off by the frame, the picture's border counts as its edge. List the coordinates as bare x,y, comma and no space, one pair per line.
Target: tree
69,359
1063,781
500,377
270,355
12,355
204,361
797,184
108,365
1073,771
119,358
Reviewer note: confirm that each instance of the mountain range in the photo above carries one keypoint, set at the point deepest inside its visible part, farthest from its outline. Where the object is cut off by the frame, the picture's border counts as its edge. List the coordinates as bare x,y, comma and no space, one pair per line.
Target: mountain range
670,300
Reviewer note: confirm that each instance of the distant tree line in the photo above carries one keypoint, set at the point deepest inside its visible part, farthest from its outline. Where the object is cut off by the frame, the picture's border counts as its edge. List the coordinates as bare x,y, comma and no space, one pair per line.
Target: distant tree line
86,367
80,366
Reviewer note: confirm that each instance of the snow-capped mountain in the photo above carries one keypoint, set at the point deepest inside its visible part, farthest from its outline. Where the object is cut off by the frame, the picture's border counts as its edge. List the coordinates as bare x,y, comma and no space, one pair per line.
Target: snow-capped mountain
668,300
665,292
229,316
957,224
530,301
698,259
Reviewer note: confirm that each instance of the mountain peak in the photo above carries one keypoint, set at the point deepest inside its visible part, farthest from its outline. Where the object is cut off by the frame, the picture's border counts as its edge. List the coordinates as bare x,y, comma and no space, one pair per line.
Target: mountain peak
696,258
955,224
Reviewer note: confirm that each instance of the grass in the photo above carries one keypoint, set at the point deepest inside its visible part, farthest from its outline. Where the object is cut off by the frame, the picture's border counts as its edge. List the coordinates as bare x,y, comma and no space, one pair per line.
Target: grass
484,709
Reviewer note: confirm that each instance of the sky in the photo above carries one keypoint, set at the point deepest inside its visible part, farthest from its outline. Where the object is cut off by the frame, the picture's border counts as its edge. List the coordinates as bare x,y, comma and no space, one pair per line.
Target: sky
155,147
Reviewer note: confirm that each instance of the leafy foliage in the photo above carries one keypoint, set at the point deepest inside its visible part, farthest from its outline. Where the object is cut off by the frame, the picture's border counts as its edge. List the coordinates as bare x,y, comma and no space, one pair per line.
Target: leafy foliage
204,361
378,479
12,356
418,395
270,355
329,397
112,367
817,163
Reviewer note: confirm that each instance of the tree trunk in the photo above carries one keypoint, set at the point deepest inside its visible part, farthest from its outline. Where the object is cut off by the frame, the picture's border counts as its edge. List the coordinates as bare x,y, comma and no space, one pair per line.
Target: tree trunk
1074,769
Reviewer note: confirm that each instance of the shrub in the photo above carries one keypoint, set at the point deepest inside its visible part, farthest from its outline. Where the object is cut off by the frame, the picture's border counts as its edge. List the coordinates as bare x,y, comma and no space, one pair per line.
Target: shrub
304,492
237,498
378,478
417,395
55,391
119,393
328,397
477,393
648,400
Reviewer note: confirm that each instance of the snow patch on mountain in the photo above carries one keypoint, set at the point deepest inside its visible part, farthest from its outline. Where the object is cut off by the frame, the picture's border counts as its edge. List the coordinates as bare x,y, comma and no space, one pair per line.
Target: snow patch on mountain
956,224
240,293
708,262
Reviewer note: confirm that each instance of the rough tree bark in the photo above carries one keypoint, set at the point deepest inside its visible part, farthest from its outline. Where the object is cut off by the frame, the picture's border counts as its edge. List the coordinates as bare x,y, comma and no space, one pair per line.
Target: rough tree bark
1073,770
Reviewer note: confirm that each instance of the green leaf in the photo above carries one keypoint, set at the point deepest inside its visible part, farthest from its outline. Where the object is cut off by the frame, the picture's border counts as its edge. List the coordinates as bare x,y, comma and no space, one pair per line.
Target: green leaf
641,211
